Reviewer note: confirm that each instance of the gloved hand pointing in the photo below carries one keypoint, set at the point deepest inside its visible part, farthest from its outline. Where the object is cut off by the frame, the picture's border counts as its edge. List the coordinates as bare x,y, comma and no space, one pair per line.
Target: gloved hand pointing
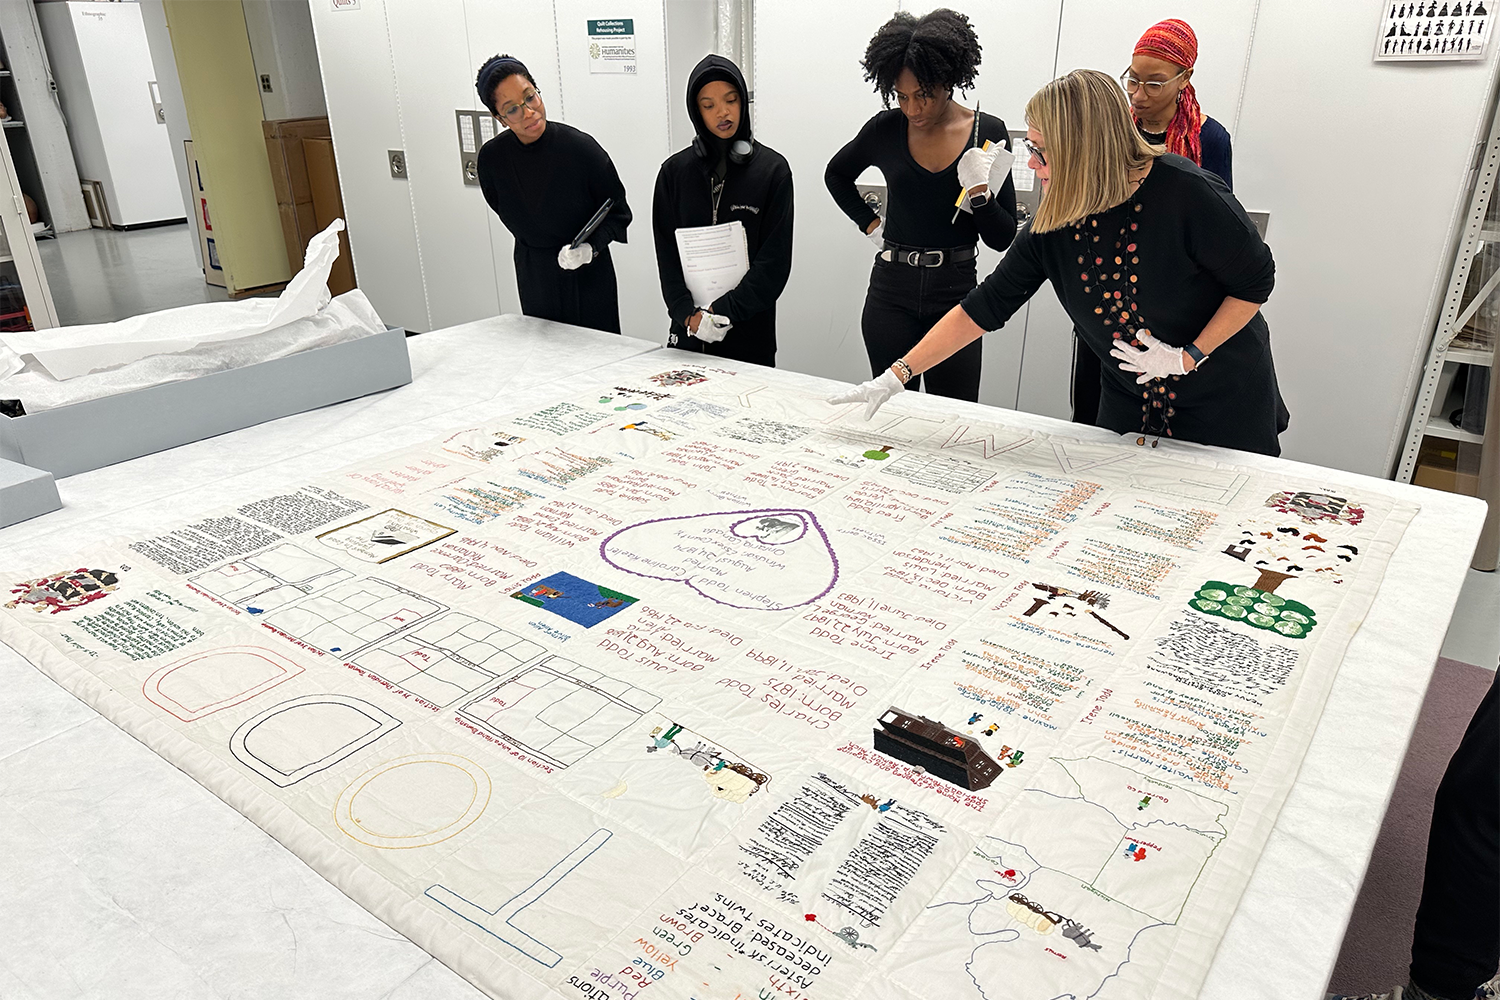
712,327
572,258
1156,360
873,393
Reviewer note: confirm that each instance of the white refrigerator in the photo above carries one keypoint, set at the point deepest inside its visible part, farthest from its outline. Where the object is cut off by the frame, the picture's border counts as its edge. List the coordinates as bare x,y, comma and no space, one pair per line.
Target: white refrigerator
106,80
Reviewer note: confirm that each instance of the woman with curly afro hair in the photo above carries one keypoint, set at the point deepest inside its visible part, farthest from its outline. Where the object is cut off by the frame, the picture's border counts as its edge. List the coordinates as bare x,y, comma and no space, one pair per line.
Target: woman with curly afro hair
929,147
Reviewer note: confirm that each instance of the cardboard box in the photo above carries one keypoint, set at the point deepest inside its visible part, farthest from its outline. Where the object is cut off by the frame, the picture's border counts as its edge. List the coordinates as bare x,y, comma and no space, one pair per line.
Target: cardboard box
328,204
90,435
25,493
298,225
289,177
1438,468
284,150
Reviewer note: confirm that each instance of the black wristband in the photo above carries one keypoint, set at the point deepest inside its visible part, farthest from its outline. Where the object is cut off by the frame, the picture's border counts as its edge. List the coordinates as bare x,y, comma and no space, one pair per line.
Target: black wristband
1198,356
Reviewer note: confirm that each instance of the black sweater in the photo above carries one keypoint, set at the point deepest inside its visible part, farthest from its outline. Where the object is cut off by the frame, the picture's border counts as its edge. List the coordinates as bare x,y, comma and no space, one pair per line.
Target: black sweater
545,192
1192,246
919,202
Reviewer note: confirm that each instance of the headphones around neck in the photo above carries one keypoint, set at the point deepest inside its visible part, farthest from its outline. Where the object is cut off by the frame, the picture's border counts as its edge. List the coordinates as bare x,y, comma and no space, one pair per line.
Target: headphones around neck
740,151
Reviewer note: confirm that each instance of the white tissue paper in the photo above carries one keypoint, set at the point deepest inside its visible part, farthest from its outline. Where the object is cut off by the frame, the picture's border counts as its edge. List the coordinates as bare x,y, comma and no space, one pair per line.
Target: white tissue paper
63,365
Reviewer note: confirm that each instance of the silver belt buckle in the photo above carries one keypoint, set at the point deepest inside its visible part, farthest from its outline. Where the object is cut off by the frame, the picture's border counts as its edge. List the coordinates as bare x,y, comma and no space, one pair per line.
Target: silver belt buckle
913,258
941,257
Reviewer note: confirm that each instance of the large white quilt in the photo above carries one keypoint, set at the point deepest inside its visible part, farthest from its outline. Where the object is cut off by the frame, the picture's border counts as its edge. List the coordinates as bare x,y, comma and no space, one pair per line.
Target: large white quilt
696,686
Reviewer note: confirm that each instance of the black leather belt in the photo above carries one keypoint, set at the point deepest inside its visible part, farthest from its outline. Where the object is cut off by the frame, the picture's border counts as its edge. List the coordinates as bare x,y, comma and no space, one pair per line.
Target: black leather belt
915,257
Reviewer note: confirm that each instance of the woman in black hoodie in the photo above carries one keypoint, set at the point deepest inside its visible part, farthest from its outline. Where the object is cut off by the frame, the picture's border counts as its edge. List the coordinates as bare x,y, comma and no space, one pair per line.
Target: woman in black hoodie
725,176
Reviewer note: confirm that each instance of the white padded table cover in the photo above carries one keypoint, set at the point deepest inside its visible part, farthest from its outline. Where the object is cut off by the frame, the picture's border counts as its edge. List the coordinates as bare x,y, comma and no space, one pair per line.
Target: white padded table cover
123,876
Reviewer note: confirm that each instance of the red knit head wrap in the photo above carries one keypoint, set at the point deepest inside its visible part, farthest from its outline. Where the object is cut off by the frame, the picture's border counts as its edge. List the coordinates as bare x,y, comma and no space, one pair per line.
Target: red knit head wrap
1174,41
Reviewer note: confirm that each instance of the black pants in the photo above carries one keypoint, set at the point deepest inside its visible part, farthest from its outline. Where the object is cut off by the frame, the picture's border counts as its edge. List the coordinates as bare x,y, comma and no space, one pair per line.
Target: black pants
587,296
1456,946
902,305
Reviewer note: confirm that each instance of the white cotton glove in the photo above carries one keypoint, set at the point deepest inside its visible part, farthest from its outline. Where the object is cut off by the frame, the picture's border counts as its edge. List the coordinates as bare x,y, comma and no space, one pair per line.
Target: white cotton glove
712,327
878,236
873,393
1156,360
974,166
985,166
572,258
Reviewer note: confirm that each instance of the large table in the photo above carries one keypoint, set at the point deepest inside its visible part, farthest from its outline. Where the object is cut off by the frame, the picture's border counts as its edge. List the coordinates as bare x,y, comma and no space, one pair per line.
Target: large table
123,877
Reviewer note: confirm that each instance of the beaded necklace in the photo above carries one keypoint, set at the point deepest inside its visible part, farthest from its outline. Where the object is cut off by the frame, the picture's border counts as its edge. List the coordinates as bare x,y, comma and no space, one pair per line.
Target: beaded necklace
1111,275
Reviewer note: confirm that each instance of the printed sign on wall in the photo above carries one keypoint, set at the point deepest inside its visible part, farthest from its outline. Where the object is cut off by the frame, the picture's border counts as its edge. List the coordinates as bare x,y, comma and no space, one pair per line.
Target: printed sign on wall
1432,30
612,46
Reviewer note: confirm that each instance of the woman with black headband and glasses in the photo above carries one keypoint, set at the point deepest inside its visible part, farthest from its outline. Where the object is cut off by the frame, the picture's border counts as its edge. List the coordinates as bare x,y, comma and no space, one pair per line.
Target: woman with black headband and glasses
930,148
548,181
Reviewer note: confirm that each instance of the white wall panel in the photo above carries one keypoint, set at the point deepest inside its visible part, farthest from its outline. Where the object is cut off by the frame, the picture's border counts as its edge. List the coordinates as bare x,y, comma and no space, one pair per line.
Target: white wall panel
359,83
1362,166
435,77
628,115
524,29
810,99
692,33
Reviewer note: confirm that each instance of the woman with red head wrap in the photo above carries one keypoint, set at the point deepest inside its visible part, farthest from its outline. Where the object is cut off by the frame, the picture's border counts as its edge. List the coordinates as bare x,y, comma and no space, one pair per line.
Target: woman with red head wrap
1165,107
1159,83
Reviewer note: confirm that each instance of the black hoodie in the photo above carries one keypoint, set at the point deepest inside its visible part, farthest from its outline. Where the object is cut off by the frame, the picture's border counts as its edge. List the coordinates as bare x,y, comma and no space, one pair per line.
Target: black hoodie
757,193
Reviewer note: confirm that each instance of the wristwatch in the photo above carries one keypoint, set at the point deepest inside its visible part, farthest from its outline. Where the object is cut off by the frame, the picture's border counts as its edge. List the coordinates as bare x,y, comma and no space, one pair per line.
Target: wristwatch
1198,356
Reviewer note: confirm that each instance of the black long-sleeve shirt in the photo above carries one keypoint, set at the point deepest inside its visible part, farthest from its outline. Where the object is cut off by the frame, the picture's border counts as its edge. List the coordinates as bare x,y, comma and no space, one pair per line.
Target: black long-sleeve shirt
1170,255
919,202
546,191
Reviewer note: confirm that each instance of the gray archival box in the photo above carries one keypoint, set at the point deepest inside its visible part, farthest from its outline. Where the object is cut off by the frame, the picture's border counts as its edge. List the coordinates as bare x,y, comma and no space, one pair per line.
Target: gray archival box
98,432
25,492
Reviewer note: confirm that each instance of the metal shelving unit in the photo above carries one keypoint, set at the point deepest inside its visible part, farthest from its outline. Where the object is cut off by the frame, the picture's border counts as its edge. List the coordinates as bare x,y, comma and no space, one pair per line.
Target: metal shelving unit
1462,353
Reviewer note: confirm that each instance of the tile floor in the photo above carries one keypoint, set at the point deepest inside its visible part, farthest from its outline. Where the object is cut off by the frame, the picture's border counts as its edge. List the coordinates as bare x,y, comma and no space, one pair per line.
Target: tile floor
101,275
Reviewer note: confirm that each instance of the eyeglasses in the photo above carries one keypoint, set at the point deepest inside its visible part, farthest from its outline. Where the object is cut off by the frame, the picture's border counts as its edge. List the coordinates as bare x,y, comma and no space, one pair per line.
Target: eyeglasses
512,112
1132,83
1040,156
